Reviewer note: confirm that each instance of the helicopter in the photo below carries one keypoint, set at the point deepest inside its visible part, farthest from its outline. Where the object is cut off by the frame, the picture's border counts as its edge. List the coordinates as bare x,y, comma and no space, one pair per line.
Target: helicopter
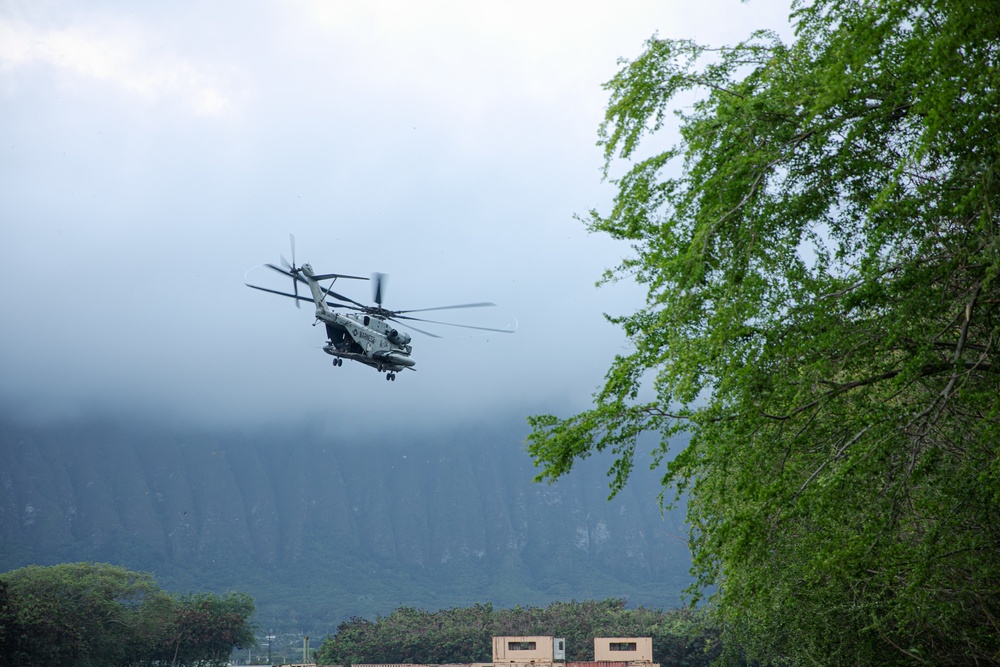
364,333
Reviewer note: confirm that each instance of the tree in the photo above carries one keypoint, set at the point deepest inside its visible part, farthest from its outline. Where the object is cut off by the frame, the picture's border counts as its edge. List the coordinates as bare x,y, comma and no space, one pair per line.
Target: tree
86,614
820,252
8,629
206,628
78,614
463,635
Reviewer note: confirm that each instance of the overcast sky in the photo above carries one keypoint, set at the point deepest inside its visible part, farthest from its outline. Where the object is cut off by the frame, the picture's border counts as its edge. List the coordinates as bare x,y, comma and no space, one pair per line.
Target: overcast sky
154,152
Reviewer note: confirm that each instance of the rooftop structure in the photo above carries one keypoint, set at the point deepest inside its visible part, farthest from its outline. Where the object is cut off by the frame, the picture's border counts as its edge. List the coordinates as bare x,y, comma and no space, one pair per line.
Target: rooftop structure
627,649
525,650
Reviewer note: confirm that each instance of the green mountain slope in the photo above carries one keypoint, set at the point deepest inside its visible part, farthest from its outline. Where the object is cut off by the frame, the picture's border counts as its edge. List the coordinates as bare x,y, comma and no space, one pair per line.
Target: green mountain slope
320,527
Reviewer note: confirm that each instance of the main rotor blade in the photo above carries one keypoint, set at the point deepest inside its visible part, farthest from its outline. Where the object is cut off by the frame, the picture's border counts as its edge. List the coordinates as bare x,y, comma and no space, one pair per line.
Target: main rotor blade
481,304
410,326
344,305
306,282
452,324
328,291
274,291
360,306
377,289
302,298
283,272
324,276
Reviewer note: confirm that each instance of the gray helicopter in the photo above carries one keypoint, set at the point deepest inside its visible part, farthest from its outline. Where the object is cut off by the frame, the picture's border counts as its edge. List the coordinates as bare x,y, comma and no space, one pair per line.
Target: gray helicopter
366,335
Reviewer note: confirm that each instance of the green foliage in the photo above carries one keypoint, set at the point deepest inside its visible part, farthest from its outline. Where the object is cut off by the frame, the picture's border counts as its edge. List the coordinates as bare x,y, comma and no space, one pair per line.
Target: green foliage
9,627
823,317
78,614
85,614
206,629
464,635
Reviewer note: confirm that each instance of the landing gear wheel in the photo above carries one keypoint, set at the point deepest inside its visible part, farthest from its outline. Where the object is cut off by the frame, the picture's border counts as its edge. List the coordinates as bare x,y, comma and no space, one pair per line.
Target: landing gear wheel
390,377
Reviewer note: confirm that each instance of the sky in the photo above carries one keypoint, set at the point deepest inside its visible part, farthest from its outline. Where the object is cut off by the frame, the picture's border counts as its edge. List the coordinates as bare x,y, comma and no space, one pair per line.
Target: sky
154,153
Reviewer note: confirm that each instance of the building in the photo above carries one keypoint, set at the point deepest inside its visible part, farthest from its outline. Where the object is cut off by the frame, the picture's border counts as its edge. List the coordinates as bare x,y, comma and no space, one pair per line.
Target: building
617,649
549,651
527,650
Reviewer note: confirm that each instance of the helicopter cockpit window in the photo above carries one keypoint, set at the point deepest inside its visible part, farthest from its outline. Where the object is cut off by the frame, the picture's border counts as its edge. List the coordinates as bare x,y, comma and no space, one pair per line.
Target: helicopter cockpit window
367,320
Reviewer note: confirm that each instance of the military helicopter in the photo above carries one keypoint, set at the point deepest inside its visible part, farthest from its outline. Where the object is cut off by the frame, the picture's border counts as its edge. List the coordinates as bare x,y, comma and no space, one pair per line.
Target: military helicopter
366,335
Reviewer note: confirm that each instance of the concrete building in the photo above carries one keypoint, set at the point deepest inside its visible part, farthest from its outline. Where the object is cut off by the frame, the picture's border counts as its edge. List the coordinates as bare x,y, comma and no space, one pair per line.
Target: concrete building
623,649
526,650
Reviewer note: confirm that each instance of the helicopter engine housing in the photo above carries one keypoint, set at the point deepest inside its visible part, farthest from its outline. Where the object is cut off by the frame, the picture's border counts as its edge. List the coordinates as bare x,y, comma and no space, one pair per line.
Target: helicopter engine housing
400,338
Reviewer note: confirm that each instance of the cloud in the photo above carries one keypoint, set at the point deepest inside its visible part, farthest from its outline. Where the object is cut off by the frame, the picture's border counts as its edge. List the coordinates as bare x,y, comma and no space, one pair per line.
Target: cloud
446,143
476,55
118,53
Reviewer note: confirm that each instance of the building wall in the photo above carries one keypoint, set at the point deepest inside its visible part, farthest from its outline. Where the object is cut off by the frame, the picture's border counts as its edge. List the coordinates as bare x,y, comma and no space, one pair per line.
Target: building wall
522,649
627,649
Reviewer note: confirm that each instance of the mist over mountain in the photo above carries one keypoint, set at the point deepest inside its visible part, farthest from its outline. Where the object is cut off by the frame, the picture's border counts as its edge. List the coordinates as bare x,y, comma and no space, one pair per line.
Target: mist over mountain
320,526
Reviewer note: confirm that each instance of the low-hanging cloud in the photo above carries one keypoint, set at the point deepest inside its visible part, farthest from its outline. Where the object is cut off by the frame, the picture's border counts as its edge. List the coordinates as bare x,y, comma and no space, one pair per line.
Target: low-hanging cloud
120,54
154,152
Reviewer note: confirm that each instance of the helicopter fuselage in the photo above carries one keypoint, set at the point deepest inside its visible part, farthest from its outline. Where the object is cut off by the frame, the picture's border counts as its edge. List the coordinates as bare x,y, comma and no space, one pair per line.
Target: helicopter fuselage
366,339
361,337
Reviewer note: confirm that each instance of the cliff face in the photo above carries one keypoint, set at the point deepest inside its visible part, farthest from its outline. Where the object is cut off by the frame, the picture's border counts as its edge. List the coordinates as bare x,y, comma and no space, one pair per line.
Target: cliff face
320,527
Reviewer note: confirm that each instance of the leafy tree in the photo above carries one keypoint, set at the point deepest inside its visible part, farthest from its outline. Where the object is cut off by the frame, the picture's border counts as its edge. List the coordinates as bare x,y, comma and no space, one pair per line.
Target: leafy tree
8,628
104,615
78,614
823,317
206,628
464,635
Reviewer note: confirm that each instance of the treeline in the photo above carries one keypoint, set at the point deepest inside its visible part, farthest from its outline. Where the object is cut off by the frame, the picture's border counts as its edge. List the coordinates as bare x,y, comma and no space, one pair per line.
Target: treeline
681,637
94,614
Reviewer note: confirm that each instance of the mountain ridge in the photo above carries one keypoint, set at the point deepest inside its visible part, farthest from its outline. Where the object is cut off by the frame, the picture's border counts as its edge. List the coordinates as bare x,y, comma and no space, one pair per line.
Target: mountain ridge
320,530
